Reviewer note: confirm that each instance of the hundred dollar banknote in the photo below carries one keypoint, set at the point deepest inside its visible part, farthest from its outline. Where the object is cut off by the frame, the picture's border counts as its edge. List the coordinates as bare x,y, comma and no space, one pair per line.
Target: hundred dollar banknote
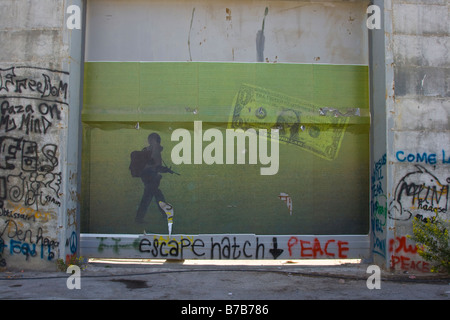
300,123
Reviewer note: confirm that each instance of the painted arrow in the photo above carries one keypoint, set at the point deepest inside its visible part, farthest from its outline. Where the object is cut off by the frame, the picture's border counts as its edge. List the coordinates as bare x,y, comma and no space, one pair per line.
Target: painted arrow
275,251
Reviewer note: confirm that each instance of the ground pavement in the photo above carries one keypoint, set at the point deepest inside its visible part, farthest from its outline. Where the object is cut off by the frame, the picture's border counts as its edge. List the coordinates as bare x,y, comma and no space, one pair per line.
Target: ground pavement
239,282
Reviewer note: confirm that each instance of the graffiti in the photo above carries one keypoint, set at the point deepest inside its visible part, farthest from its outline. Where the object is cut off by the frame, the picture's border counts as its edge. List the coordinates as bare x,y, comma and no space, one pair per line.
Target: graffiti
26,214
378,225
32,82
35,184
32,103
172,248
72,244
377,177
28,119
317,249
430,158
17,247
404,256
275,251
116,246
27,159
12,230
444,160
29,250
24,242
378,205
424,157
419,193
16,215
226,247
423,193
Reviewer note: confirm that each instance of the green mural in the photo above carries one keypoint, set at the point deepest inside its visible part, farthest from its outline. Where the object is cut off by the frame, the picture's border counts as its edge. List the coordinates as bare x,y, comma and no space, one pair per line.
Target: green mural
257,148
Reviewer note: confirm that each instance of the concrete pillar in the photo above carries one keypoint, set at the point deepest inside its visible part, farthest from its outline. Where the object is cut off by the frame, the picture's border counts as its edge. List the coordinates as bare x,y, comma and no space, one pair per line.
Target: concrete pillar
417,117
380,77
40,96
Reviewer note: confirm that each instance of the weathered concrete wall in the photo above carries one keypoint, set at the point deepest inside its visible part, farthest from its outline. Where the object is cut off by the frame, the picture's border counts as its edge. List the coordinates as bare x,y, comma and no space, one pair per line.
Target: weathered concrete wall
40,72
39,96
418,113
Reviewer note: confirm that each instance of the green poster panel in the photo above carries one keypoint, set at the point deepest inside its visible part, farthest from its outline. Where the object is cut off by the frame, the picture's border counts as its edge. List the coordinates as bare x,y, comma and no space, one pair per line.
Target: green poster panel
303,167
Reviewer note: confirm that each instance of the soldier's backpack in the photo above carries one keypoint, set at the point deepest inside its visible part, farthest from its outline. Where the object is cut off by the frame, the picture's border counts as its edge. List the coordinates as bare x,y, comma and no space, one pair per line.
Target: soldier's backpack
138,160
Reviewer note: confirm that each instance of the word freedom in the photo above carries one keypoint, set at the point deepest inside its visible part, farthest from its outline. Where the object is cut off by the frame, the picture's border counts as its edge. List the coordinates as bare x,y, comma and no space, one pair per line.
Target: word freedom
213,152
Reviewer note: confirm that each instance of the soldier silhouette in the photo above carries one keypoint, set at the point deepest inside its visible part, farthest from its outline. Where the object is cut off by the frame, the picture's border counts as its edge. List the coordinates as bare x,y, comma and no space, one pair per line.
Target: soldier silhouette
151,178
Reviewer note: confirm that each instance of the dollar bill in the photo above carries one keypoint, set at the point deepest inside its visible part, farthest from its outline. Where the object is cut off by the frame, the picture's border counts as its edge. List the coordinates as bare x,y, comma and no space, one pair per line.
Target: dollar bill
300,123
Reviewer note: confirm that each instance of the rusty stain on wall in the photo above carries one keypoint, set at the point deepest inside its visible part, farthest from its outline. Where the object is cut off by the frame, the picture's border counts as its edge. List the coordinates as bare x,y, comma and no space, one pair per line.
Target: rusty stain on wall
228,17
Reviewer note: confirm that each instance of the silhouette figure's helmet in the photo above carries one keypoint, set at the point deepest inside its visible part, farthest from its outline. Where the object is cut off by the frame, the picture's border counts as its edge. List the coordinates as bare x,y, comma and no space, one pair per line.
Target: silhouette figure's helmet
154,137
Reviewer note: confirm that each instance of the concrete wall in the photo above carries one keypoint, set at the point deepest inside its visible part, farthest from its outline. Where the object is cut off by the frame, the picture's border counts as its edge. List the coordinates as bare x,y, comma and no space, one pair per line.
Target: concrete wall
322,32
39,95
40,71
412,179
419,135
